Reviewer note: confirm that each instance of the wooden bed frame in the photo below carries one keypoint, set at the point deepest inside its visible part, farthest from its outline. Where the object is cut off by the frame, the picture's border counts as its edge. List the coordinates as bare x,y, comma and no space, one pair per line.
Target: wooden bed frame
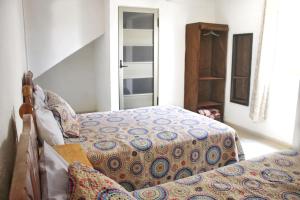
26,177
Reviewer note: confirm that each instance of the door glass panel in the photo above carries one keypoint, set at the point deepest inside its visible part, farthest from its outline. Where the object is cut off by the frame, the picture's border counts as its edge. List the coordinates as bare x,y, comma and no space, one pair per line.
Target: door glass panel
137,37
138,100
133,20
138,70
138,86
138,53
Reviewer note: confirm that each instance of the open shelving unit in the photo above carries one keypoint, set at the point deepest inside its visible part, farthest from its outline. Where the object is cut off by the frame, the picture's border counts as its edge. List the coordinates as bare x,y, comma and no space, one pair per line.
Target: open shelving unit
205,66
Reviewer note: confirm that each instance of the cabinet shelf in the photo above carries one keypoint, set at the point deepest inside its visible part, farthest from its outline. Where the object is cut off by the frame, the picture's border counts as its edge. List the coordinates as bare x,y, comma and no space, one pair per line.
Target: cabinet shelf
209,104
210,78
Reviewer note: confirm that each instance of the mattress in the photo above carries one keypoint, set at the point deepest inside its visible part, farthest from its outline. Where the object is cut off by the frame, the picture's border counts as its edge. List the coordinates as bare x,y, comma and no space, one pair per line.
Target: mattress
268,178
144,147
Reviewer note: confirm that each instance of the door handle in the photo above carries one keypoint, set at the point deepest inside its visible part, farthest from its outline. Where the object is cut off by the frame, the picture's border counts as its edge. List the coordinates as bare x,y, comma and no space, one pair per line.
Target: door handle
121,64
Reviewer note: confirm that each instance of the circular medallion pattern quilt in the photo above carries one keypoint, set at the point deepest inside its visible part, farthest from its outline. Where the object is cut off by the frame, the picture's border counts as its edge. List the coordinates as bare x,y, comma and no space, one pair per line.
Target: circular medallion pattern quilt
154,145
246,180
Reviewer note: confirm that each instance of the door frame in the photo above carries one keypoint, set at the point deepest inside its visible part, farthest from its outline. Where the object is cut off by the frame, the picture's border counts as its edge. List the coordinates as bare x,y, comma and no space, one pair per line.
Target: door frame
154,11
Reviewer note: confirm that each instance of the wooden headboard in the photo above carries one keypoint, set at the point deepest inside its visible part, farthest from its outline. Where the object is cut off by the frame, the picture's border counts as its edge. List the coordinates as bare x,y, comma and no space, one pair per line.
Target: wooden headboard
26,177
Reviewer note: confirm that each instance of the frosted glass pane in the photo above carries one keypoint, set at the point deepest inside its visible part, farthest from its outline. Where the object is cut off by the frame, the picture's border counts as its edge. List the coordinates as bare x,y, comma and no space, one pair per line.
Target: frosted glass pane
133,20
138,100
138,37
138,53
138,70
138,86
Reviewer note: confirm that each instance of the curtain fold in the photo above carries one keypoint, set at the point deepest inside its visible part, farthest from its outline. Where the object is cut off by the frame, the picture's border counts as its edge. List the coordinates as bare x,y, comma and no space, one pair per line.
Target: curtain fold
265,63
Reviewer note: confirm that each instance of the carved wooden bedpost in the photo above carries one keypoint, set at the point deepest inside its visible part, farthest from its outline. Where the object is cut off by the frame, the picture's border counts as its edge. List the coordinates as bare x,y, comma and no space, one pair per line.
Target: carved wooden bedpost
27,90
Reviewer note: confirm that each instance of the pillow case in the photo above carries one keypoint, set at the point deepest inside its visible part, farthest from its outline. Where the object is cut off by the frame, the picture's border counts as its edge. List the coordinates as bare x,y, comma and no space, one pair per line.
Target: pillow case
72,153
64,113
87,183
48,127
39,97
54,174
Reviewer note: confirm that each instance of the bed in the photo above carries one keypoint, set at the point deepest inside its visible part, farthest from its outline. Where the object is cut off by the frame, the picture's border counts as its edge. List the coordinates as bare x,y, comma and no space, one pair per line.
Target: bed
271,177
148,146
145,147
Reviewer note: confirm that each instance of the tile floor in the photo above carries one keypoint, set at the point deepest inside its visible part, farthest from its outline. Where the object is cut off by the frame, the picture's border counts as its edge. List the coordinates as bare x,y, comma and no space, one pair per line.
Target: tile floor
255,145
253,148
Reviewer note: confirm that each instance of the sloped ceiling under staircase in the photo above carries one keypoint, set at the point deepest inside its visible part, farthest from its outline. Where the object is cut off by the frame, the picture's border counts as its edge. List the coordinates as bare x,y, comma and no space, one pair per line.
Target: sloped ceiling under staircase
56,29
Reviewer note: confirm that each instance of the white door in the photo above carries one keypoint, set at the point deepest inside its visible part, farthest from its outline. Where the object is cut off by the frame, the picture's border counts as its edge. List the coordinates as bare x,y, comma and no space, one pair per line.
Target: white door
138,56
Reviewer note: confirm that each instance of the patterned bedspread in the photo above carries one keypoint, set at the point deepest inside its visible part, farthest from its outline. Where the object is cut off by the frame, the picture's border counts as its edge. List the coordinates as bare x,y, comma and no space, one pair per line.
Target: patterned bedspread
267,178
148,146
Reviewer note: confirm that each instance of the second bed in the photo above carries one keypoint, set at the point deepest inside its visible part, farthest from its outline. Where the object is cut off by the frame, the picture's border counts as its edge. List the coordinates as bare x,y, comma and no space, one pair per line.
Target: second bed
148,146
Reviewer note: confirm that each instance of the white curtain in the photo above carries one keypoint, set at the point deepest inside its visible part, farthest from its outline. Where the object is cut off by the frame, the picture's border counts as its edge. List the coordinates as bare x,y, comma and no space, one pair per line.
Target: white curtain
288,49
265,62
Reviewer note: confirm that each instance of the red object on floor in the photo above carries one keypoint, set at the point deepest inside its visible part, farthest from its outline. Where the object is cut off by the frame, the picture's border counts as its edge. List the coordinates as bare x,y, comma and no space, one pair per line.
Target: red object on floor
211,113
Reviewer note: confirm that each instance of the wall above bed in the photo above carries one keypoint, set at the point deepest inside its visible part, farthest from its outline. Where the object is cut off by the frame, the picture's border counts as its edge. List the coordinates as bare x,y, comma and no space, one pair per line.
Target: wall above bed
173,16
74,79
55,29
103,63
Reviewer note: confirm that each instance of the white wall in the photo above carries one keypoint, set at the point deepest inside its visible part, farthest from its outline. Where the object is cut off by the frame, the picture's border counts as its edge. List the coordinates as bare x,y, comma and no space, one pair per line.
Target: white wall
74,79
105,52
55,29
174,15
244,16
102,65
12,66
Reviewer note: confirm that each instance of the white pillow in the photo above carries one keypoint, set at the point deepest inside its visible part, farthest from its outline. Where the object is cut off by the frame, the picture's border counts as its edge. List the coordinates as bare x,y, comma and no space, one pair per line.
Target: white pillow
39,97
48,127
54,174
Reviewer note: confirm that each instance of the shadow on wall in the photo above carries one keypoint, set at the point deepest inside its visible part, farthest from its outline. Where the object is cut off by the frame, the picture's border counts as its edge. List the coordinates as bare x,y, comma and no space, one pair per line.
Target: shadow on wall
7,157
74,79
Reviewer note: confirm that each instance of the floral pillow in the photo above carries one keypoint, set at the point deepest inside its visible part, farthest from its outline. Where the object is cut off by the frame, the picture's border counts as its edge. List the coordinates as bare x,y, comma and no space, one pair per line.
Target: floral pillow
87,183
64,114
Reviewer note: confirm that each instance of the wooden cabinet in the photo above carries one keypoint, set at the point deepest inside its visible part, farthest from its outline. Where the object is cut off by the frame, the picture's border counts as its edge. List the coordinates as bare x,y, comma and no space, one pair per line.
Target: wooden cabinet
205,66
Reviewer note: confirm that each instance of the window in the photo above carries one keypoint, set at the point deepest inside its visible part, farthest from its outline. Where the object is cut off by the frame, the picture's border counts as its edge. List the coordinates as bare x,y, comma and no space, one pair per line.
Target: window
241,68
